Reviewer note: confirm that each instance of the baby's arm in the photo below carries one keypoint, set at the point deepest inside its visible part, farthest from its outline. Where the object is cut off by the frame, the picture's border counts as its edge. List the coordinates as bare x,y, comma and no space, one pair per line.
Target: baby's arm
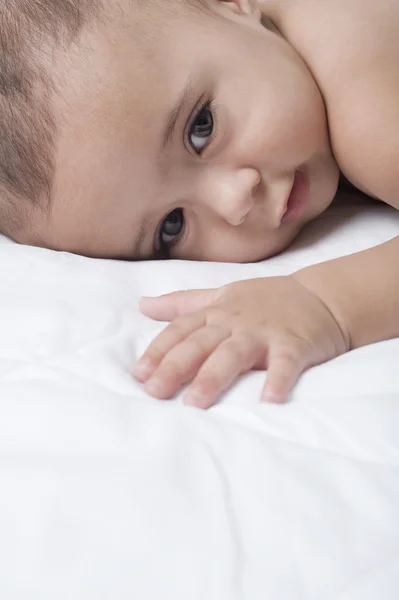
362,291
284,324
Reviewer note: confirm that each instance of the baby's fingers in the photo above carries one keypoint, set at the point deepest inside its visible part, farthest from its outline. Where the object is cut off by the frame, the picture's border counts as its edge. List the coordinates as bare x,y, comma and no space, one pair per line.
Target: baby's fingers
171,306
182,362
237,355
172,335
285,365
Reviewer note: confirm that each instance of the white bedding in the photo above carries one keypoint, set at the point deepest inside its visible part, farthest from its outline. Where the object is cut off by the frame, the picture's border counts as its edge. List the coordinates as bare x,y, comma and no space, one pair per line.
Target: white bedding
106,493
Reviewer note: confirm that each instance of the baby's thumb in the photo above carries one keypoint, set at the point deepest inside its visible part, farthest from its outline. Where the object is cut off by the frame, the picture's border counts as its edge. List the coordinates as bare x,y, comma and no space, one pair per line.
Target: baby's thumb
170,306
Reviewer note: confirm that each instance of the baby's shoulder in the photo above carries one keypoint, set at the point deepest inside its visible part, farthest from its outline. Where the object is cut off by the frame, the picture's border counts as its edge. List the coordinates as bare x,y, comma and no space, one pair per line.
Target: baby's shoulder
352,49
350,31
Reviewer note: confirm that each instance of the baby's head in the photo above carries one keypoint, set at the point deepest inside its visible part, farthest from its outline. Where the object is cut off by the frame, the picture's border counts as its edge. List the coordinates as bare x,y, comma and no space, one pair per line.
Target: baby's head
141,128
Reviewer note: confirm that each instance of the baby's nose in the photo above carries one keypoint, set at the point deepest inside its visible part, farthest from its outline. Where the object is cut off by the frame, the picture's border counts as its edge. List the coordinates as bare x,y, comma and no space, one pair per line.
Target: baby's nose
234,195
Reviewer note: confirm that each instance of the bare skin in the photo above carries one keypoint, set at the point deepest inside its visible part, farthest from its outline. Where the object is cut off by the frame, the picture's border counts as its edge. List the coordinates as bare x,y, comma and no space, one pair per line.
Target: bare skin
283,95
330,308
116,184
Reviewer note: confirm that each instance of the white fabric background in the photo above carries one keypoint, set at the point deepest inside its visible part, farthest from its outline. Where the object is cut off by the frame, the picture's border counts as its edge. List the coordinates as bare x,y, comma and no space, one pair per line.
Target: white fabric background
106,493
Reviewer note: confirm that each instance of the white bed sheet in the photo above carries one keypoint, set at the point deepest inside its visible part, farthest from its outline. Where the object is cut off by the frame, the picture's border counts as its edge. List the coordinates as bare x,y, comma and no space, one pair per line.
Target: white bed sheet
106,493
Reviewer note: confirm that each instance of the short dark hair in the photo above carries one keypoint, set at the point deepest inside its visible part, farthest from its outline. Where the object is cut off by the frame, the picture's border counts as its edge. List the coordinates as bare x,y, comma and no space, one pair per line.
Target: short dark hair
30,30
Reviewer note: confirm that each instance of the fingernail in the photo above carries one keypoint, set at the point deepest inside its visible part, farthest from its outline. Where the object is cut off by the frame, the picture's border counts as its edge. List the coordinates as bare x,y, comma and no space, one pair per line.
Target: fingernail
271,398
192,397
143,369
148,298
154,386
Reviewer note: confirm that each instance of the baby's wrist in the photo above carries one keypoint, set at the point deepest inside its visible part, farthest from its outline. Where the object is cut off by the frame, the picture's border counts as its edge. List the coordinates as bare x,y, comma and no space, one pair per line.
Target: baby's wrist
319,282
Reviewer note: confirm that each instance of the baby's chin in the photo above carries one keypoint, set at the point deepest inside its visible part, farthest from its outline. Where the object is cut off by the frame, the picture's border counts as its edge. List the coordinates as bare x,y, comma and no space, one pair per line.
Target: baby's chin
271,254
283,244
265,255
261,254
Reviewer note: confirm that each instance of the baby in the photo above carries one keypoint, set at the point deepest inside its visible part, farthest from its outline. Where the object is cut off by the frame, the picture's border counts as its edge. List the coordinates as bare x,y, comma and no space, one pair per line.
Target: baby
208,130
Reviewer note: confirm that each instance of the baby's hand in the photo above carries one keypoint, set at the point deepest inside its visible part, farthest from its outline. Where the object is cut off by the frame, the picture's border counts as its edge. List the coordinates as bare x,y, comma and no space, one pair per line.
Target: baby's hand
215,335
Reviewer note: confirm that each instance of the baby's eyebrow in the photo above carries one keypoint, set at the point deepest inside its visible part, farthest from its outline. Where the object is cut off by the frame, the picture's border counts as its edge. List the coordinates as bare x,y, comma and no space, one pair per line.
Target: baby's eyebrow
174,115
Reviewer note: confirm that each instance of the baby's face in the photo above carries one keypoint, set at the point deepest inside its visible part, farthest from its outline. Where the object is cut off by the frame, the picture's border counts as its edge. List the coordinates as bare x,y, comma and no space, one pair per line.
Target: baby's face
188,146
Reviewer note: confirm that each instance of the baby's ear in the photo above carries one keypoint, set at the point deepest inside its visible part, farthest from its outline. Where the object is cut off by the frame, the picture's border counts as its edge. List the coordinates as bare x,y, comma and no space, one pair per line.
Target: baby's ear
244,7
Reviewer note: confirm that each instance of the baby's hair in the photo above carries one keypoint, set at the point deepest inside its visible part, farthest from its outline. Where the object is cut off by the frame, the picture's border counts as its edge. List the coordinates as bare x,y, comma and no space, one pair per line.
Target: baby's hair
32,32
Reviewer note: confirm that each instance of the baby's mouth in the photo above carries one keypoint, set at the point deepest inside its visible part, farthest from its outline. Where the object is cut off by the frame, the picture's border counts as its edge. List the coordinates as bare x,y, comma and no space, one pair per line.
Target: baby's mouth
298,199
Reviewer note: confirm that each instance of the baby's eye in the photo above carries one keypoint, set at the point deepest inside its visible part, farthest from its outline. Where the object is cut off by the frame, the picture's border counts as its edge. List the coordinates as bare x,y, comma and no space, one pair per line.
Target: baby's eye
201,129
171,229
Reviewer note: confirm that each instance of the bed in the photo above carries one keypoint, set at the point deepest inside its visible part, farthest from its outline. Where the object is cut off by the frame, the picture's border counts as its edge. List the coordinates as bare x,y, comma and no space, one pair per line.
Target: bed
107,493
